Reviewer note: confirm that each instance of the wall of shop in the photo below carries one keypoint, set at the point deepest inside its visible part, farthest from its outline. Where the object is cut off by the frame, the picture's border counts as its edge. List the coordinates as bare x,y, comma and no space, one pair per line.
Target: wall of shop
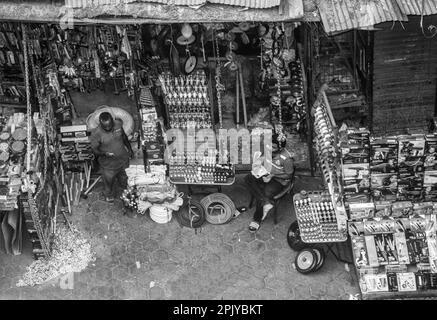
405,73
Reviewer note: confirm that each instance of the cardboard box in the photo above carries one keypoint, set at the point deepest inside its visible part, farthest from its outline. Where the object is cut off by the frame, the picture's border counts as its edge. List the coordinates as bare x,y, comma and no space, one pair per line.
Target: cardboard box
359,211
406,281
401,209
356,171
382,208
376,282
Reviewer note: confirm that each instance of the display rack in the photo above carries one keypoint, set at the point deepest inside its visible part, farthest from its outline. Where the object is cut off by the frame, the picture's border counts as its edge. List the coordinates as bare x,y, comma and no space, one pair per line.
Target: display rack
326,142
212,174
317,218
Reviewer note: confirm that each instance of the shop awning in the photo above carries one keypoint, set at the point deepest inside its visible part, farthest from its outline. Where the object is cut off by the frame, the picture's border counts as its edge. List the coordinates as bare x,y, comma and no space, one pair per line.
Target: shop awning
256,4
343,15
121,11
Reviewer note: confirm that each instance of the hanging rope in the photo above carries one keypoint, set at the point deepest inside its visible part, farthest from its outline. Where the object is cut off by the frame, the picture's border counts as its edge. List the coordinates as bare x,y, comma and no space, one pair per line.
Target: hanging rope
32,204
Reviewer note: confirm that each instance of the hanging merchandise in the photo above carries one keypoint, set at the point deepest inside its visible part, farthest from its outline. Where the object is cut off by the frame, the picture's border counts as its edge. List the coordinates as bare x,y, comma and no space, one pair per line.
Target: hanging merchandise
187,100
218,85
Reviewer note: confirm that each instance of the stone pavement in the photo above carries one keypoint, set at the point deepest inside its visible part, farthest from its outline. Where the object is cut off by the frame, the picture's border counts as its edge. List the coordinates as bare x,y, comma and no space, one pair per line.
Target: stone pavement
140,259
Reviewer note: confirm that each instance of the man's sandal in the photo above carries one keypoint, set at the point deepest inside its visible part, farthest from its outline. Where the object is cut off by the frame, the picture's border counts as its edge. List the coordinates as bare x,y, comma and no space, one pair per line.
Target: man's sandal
254,226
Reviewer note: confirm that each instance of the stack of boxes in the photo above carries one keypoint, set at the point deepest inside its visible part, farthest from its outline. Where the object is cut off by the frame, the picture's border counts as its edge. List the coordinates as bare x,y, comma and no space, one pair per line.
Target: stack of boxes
383,168
430,167
355,145
75,144
151,133
411,167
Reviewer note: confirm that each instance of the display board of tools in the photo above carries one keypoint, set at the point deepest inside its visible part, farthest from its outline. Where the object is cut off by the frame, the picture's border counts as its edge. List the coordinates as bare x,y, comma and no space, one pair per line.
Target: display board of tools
187,100
319,219
401,168
395,249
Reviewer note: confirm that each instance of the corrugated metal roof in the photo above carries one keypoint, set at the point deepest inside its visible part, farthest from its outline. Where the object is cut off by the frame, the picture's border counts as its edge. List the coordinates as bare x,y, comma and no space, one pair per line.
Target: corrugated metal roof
418,7
341,15
255,4
258,4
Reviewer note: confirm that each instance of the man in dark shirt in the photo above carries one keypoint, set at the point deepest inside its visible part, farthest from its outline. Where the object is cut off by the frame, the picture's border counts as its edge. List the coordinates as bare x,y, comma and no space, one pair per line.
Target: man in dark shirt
112,147
264,188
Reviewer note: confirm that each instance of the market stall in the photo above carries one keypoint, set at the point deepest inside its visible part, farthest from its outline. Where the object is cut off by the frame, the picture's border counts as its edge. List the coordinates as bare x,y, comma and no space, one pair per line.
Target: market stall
380,194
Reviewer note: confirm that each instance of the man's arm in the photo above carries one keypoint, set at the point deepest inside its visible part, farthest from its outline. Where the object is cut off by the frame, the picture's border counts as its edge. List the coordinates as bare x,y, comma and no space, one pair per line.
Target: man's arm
288,170
95,143
126,142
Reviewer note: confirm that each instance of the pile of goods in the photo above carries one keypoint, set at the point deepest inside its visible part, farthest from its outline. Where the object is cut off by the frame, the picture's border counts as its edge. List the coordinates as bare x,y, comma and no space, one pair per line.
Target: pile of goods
71,253
389,185
354,146
394,245
151,191
13,146
151,131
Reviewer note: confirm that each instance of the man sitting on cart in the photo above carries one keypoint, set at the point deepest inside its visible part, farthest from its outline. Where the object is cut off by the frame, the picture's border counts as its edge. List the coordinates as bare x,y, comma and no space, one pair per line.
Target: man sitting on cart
263,188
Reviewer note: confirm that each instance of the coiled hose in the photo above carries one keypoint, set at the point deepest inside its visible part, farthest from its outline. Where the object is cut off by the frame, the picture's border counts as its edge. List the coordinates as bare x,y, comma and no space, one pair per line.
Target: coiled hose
219,208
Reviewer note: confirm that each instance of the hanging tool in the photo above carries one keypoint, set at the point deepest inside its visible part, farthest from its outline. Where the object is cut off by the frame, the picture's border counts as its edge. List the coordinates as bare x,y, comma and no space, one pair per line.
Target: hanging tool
243,96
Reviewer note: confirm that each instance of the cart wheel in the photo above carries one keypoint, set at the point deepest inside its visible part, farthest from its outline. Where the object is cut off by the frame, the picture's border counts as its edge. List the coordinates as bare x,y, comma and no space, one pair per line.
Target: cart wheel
306,261
293,237
320,258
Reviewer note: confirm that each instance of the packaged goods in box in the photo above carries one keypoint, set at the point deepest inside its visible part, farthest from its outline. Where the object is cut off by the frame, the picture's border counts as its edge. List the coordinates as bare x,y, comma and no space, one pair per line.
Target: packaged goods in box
351,154
411,148
356,185
407,193
383,151
359,211
384,186
406,281
376,282
401,209
356,171
382,208
430,161
363,273
422,208
430,185
360,251
353,197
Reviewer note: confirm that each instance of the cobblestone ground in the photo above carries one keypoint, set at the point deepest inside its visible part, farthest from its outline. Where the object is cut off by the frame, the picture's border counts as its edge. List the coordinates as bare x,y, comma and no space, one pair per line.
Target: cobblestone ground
140,259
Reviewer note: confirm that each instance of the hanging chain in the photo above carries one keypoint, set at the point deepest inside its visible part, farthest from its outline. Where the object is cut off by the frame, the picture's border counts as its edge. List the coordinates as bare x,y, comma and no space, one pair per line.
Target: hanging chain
279,93
219,86
29,107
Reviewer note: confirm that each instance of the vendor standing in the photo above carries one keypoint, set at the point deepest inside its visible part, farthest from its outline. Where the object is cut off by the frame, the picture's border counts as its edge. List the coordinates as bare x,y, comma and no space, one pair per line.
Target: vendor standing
113,150
264,188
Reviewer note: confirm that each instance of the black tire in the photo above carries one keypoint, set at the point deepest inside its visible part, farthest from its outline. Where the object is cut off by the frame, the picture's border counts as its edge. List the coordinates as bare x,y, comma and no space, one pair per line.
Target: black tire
191,214
293,238
320,257
306,261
